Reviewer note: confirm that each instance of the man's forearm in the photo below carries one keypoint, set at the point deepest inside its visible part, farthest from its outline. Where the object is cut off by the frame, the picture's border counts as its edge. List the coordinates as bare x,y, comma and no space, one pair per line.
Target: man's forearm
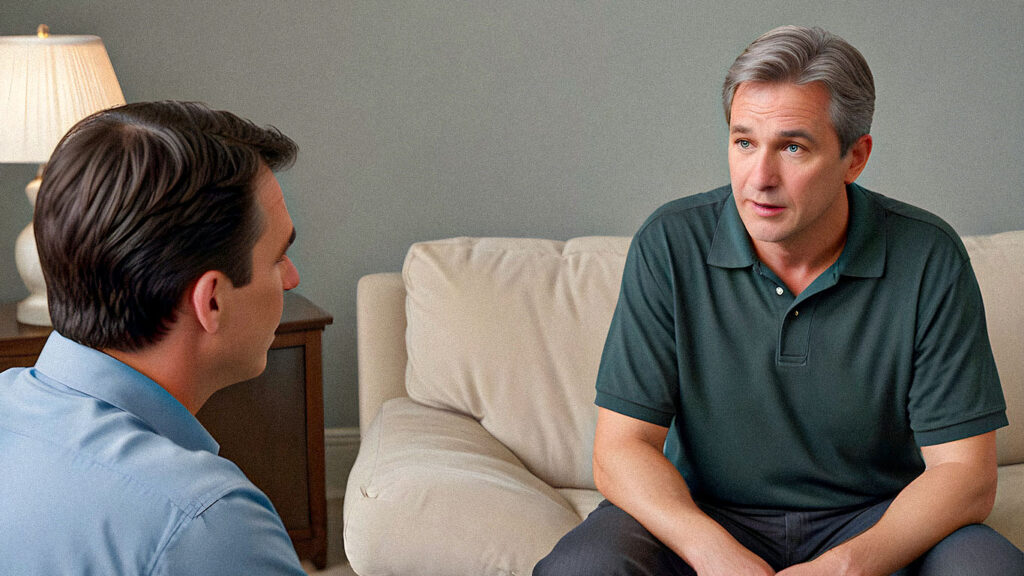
634,475
641,481
946,497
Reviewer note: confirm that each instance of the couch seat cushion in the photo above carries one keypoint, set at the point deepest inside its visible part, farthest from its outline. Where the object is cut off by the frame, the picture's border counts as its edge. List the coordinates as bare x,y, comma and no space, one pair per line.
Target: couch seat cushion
432,492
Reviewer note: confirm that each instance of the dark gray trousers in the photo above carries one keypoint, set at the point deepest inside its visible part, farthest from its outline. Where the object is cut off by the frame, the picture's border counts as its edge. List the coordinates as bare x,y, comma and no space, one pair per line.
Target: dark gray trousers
610,542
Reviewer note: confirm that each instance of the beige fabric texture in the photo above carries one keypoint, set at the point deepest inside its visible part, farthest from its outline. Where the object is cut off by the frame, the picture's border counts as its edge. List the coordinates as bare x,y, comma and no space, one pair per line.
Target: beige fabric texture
998,262
510,332
1007,516
380,324
435,493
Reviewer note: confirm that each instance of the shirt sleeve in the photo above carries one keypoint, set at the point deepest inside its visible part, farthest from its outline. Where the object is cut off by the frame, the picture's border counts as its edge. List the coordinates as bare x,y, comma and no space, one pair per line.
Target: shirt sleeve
638,374
955,393
240,533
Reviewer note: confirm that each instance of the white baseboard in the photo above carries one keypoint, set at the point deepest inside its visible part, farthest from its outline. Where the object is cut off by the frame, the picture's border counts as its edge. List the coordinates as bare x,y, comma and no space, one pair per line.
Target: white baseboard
340,448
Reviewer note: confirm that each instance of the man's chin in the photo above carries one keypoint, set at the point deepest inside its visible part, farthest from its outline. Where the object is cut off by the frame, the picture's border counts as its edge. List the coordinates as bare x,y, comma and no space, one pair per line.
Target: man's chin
256,369
261,367
767,233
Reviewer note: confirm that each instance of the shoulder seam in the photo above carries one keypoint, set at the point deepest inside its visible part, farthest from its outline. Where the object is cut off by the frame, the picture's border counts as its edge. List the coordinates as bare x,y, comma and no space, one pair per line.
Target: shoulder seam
670,208
901,209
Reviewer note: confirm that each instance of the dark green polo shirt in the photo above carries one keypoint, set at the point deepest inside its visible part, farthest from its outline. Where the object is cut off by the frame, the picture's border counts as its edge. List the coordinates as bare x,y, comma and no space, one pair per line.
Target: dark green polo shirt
809,402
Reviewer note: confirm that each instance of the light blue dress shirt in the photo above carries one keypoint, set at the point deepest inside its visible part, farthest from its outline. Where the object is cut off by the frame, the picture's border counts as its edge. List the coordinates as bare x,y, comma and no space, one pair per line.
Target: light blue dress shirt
103,472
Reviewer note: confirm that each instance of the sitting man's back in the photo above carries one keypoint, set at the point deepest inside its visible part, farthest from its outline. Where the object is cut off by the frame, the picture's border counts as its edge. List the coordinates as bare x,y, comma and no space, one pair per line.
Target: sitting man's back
161,232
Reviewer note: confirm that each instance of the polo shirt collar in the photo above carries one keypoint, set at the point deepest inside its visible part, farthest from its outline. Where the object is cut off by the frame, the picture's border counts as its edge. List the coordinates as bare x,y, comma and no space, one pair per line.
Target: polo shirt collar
731,246
864,253
105,378
863,256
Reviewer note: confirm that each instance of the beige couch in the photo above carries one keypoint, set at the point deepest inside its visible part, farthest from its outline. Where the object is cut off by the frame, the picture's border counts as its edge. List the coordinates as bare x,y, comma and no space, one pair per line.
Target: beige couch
476,383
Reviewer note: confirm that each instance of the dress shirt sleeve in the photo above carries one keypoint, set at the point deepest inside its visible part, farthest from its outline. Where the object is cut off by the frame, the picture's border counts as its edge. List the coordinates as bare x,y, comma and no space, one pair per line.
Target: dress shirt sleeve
240,533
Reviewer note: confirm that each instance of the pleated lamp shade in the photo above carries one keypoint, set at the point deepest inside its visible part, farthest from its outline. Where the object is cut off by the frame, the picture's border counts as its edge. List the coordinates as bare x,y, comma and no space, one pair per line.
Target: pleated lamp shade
47,84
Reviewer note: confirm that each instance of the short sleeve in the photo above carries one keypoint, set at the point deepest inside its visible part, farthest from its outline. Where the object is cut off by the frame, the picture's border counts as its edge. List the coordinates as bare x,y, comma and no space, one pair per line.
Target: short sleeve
955,392
638,374
239,533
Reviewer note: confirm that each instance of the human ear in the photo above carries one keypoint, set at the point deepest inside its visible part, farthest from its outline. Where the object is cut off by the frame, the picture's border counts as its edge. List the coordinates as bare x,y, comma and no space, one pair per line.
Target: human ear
204,300
859,153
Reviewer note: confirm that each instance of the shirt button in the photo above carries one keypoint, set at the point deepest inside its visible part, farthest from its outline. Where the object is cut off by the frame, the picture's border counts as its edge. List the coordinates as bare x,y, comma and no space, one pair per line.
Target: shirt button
796,312
779,291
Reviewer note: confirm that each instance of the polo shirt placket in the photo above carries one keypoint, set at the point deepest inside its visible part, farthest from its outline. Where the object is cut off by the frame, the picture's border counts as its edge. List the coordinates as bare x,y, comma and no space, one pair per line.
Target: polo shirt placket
794,317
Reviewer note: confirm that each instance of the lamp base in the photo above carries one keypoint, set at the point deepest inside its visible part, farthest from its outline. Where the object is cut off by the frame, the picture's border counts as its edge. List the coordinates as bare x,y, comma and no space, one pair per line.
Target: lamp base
34,309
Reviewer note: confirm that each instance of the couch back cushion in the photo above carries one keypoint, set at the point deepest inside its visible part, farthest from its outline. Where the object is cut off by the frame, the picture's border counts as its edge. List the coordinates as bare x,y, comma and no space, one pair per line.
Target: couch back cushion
998,262
510,331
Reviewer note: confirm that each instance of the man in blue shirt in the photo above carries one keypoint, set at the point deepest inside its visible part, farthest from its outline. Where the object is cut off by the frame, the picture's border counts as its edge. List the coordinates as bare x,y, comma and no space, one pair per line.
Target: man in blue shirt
162,234
797,378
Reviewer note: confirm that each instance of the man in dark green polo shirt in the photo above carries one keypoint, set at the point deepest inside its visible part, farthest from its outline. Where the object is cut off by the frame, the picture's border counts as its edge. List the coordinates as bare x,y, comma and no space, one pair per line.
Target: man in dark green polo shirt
798,376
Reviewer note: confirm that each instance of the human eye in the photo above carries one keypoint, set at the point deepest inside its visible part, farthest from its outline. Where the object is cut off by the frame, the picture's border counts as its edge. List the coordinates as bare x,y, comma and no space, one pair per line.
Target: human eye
794,148
743,144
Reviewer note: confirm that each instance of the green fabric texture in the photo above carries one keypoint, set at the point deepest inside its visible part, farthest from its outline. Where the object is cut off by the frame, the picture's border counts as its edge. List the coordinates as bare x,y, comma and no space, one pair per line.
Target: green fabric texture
808,402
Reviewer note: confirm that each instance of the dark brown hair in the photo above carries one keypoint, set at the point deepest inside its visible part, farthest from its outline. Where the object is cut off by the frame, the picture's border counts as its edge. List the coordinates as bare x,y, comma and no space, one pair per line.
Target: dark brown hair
136,203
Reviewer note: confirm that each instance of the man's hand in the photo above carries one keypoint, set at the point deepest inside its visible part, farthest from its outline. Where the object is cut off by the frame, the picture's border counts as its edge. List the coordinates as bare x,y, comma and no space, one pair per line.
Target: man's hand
806,569
828,564
733,560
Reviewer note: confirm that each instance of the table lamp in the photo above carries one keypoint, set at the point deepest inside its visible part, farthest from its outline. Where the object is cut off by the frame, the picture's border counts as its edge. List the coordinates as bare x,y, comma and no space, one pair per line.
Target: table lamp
47,84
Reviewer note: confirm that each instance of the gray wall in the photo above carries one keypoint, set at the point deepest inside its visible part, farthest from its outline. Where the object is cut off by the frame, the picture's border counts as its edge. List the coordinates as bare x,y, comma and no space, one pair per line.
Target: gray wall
550,118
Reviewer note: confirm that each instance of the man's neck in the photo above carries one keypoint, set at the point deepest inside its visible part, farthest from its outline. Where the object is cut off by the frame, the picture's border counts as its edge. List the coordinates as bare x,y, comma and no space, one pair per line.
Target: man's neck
799,261
174,365
796,270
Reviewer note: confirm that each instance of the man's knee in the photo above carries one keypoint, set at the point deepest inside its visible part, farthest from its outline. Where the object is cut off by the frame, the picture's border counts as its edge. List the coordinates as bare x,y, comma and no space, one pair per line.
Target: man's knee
609,542
579,557
976,550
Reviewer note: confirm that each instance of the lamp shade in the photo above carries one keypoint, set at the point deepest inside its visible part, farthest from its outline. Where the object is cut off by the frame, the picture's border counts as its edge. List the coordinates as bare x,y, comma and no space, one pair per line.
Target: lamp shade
47,84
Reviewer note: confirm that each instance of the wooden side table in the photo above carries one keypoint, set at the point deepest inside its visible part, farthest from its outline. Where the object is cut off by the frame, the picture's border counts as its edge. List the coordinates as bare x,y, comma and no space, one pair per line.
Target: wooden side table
272,426
20,344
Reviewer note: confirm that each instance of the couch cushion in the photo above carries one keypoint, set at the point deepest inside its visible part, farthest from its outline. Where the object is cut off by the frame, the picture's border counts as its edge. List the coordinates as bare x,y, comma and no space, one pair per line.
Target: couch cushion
998,262
432,492
1008,514
510,331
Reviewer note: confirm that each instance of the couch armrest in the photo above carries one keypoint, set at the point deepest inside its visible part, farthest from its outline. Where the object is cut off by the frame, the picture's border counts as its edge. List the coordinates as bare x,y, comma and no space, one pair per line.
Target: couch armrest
380,322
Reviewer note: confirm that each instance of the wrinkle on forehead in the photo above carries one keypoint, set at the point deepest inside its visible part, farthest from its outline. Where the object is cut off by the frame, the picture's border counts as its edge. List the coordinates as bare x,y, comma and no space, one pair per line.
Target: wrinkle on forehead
782,110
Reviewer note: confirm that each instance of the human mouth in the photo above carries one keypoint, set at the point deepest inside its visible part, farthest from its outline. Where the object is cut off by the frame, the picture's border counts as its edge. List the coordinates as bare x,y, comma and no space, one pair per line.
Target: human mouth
766,210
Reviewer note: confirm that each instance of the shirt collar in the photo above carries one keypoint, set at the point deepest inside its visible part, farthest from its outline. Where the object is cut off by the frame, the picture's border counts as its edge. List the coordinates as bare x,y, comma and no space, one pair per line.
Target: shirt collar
731,246
863,255
100,376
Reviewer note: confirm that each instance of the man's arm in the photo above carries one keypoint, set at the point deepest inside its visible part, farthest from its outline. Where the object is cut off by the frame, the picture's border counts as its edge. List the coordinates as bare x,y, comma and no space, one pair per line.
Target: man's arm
957,488
632,472
240,533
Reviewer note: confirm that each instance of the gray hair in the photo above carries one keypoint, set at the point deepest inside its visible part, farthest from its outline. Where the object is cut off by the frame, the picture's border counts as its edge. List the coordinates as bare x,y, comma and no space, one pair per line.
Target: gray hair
803,55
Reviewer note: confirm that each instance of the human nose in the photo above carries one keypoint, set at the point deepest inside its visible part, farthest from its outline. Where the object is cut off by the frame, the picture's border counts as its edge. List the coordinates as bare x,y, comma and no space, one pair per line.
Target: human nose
764,174
290,278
